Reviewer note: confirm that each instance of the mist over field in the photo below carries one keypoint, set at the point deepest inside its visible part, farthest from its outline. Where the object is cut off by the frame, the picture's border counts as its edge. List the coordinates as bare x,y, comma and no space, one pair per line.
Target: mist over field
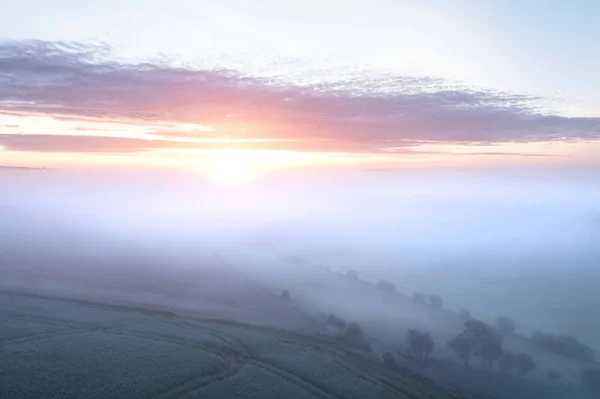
494,242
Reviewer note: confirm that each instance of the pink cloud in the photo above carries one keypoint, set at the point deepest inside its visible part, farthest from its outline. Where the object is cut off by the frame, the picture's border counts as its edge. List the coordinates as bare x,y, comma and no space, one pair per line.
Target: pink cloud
362,114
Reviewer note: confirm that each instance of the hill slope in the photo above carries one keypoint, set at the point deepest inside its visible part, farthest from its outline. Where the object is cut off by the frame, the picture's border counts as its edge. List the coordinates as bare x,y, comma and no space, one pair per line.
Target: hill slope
73,349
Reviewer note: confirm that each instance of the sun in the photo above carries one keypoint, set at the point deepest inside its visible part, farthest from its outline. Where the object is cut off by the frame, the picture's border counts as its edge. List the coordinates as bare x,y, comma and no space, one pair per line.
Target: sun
233,168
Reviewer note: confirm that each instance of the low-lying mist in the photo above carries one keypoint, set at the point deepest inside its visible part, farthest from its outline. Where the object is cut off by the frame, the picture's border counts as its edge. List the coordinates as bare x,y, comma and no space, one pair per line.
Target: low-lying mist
493,242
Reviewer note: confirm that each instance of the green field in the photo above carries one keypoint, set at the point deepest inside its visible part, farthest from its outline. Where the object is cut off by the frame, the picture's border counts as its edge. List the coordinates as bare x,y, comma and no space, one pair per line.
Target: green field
61,348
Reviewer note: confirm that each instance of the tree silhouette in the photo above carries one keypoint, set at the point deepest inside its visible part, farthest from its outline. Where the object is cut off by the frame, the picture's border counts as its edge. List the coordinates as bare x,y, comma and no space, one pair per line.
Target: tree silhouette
463,345
354,336
352,274
489,348
285,295
478,339
354,331
465,314
335,321
524,363
506,362
386,286
418,297
506,325
435,301
420,344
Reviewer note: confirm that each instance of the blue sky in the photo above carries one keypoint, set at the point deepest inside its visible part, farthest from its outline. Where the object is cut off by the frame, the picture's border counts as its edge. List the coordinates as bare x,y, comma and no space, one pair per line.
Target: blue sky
544,51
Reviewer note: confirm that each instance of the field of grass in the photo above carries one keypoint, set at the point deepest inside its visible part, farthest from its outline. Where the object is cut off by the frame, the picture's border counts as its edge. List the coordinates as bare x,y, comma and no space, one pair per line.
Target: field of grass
63,348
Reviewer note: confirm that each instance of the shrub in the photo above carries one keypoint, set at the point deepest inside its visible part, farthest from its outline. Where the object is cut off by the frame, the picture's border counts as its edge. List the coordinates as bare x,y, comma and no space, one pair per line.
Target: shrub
389,361
435,301
352,274
418,297
465,314
506,325
285,295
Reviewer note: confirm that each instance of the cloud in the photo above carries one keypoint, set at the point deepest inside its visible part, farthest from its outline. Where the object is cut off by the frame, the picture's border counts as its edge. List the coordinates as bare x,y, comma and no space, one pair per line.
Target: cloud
354,112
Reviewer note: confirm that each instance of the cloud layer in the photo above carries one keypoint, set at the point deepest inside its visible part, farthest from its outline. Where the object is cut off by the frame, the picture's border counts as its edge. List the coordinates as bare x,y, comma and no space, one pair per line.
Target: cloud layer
355,113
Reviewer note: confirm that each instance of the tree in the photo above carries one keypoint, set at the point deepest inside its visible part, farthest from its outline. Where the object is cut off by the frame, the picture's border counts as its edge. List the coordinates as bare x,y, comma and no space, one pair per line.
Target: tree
477,339
420,344
389,361
476,329
506,362
386,286
285,295
435,301
352,274
524,363
465,314
489,348
354,331
354,336
418,297
463,345
591,379
506,325
335,321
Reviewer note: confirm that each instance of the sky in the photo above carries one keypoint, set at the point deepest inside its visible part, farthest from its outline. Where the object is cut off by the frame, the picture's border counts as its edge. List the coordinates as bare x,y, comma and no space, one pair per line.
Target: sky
236,89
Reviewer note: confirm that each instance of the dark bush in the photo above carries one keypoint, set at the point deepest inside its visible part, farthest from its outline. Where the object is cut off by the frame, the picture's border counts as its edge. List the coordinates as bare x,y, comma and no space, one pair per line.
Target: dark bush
563,345
352,274
435,301
389,361
506,325
386,286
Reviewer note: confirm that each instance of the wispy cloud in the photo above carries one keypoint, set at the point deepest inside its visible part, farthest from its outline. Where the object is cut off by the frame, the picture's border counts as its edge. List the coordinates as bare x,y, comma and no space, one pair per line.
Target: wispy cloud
355,112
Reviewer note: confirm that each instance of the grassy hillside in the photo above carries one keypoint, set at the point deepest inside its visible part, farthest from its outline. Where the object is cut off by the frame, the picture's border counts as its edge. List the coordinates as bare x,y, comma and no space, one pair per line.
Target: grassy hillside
76,349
